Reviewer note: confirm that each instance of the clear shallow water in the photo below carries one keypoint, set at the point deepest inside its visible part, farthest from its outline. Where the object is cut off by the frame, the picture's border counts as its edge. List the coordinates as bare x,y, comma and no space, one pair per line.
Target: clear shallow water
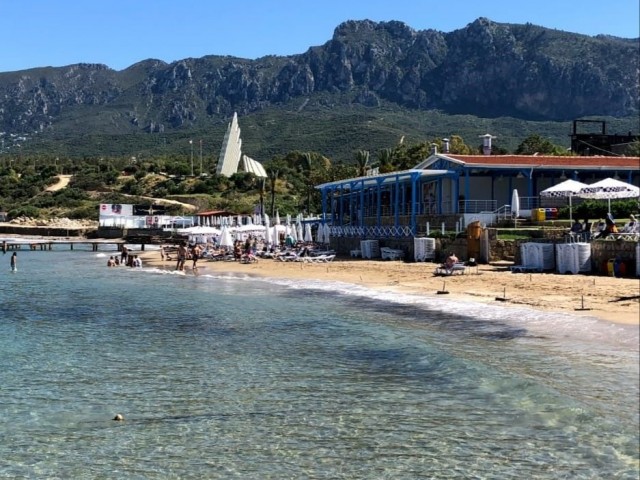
223,377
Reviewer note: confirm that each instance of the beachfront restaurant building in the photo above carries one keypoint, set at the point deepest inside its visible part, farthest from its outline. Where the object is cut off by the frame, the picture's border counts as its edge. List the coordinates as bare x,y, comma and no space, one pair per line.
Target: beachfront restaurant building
451,191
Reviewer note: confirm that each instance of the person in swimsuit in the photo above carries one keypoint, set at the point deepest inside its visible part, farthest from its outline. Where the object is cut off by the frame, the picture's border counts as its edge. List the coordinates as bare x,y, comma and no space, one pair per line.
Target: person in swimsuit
182,256
14,262
195,255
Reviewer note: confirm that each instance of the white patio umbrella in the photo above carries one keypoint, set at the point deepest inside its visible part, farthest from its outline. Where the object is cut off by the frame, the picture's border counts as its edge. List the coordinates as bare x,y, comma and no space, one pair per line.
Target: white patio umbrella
307,233
568,189
267,230
327,233
320,234
294,233
276,235
515,206
225,238
277,220
299,232
609,188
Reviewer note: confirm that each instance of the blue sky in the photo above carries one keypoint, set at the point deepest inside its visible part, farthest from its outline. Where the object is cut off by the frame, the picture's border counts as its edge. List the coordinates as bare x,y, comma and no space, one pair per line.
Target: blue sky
118,33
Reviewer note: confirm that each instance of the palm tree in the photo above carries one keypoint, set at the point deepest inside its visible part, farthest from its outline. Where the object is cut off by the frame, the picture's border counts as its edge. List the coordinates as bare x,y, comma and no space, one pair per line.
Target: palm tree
273,178
308,159
385,160
362,162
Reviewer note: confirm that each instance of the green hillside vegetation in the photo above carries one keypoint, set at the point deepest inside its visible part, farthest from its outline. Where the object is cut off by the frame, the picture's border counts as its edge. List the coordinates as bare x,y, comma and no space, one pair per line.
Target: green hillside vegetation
317,124
142,179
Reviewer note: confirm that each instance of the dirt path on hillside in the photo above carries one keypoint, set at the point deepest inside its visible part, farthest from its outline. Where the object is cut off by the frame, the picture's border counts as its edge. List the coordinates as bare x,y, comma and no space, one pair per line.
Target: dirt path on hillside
164,201
63,181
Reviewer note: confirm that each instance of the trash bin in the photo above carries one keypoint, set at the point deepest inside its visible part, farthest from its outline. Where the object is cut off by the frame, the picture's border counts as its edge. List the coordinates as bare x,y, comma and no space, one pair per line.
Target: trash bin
474,232
551,213
538,214
611,267
619,268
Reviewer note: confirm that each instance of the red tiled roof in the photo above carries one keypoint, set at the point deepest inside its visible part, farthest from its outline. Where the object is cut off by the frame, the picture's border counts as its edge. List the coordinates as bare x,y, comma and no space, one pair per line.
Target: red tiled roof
550,161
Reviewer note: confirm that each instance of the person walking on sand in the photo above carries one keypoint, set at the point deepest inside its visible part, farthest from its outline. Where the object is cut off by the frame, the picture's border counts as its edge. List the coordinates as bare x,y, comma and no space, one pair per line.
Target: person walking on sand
14,262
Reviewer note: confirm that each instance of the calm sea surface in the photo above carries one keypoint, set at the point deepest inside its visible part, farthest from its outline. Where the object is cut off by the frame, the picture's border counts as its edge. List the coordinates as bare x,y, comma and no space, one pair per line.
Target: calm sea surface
228,377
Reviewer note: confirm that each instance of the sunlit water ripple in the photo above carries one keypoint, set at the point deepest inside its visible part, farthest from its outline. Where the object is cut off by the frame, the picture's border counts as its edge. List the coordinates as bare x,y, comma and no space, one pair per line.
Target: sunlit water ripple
236,377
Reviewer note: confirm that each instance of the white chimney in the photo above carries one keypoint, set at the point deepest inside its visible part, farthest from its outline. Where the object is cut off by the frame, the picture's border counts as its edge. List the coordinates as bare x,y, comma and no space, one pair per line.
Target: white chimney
434,149
445,142
486,143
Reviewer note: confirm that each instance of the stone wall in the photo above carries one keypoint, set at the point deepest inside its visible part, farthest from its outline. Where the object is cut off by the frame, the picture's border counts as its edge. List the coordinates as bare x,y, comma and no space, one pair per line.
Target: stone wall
604,250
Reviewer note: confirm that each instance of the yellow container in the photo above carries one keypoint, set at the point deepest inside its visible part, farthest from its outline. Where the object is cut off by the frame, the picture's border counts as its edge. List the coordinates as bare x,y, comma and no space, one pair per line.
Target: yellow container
540,214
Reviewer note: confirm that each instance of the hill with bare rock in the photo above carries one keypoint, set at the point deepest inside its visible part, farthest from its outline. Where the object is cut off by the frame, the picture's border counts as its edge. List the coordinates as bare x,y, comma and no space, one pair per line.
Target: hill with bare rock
375,80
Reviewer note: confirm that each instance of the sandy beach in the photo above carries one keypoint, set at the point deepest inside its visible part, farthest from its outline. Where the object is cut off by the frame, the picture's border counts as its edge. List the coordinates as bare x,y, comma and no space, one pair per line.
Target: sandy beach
612,299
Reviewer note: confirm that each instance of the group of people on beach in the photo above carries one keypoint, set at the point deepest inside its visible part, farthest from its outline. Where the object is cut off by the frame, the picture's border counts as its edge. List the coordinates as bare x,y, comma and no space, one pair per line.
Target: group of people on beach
125,258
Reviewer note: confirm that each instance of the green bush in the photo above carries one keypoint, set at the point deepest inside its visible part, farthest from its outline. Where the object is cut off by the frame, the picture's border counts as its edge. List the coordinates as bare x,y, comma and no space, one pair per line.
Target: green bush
25,211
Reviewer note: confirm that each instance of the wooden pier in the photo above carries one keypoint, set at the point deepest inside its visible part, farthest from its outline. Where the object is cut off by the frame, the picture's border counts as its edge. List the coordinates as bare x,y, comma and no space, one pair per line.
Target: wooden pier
46,244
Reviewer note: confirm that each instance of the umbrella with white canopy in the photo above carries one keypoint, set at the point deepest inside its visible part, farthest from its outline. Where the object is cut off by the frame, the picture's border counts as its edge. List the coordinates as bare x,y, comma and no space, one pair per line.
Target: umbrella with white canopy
327,233
568,189
320,234
225,238
608,189
307,233
299,232
515,203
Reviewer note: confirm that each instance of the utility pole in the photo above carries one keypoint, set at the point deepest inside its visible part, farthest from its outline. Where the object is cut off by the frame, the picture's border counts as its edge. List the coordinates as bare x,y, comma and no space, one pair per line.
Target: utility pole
191,143
201,172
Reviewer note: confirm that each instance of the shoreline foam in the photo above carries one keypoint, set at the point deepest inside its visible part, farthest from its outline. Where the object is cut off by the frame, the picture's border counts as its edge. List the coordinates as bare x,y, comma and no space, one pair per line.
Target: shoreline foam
615,300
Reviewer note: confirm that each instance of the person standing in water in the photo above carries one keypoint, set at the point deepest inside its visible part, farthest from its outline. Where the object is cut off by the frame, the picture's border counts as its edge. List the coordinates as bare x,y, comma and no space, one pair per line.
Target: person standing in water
14,262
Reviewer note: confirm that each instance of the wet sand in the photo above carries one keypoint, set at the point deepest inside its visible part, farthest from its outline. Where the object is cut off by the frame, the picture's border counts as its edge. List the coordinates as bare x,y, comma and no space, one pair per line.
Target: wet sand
613,299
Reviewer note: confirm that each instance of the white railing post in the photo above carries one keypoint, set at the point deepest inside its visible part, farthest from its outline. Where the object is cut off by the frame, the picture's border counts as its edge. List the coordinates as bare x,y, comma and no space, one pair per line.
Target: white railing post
443,228
427,229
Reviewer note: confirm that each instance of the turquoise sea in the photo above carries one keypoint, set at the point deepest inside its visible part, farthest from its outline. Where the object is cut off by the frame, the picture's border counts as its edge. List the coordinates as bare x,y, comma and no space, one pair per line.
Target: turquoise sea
236,377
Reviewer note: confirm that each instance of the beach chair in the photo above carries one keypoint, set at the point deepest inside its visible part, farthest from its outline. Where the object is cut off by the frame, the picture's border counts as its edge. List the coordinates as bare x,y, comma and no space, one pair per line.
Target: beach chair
319,259
458,268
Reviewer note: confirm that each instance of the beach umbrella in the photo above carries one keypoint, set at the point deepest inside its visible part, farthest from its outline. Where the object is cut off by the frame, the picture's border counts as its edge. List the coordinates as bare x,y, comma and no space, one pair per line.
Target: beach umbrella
294,234
299,232
320,234
277,220
225,238
267,230
515,206
327,233
307,233
609,188
276,235
568,189
515,203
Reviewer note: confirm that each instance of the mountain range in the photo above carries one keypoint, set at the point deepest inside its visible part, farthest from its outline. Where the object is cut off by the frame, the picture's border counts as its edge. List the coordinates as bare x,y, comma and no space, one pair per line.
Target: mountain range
371,84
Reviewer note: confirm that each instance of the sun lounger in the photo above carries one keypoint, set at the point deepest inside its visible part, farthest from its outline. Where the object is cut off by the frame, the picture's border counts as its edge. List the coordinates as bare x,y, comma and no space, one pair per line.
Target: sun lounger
524,269
319,259
458,268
